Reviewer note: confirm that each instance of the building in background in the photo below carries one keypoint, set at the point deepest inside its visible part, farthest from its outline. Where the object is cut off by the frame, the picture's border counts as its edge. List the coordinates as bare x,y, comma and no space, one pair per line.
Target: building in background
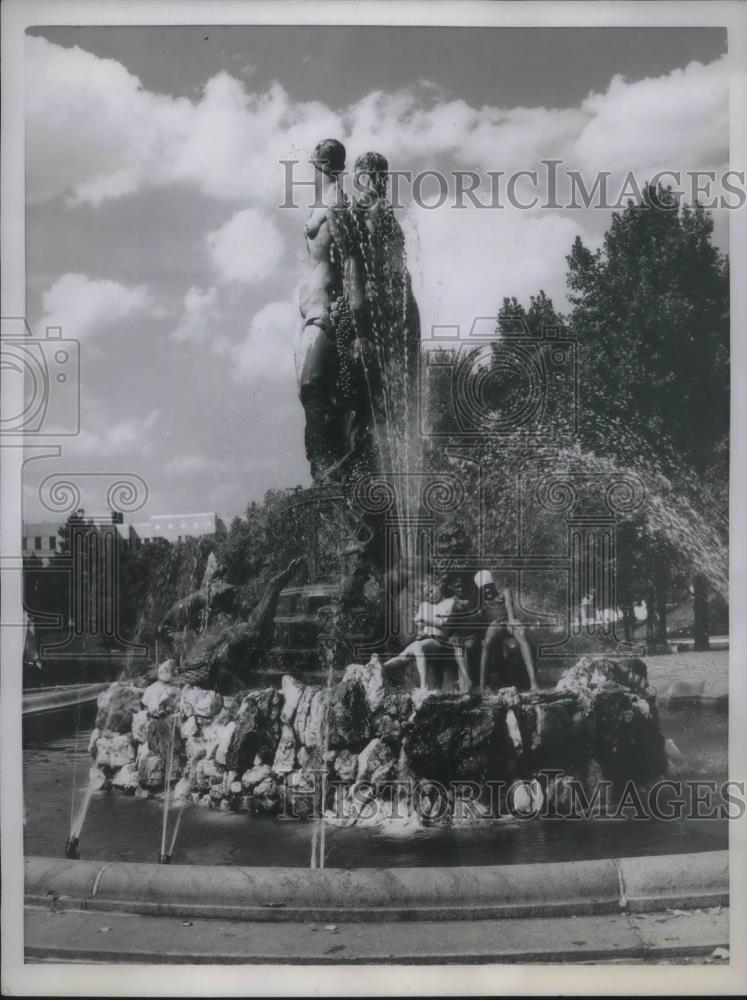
175,527
41,538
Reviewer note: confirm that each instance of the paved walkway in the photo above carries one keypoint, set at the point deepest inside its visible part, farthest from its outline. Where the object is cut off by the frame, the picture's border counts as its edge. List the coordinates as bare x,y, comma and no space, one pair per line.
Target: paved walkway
73,935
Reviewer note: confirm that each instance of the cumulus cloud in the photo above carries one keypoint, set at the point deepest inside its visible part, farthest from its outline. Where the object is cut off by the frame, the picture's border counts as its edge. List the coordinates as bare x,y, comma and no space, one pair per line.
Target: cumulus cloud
85,307
200,320
266,354
94,133
679,121
101,437
247,248
464,263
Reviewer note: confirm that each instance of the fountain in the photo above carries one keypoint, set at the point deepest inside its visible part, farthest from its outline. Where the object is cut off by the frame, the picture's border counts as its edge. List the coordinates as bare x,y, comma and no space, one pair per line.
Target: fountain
289,725
323,743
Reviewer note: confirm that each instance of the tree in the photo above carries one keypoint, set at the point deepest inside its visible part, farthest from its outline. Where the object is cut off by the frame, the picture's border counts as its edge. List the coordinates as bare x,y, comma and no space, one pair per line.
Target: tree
651,315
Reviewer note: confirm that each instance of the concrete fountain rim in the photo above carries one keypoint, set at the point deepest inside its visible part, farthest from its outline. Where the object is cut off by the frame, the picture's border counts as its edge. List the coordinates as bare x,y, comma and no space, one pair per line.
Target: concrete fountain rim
610,885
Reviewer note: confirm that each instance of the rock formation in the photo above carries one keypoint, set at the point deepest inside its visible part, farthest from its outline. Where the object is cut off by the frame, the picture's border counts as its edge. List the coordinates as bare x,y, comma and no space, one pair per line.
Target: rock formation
266,750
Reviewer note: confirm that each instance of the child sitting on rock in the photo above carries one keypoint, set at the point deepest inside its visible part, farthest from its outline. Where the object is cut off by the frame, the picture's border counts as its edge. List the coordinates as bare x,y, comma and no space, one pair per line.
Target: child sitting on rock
433,624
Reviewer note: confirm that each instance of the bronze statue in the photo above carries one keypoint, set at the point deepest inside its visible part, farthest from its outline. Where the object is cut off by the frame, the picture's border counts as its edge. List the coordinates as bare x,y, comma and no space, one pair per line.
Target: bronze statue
358,348
317,366
218,638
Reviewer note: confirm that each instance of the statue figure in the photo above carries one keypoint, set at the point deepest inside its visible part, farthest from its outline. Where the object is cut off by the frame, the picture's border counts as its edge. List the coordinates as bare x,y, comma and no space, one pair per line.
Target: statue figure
317,366
214,633
452,631
358,350
438,655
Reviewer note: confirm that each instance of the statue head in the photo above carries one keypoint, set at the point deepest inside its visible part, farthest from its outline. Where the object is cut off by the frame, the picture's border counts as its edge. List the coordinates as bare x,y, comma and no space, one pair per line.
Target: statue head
372,172
329,157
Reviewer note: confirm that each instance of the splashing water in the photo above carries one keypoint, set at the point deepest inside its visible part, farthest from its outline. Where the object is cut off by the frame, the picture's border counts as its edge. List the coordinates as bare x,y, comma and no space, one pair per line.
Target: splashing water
676,505
393,388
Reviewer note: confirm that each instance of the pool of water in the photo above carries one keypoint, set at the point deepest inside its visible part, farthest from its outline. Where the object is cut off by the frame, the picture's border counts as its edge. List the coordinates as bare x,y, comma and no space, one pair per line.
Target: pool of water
123,828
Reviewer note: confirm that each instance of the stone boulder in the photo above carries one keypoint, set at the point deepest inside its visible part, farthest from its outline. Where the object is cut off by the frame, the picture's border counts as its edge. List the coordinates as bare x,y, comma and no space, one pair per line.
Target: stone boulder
592,672
140,722
195,748
312,759
291,690
257,730
377,761
255,775
455,737
126,778
151,772
116,708
310,715
349,718
556,732
300,794
618,709
113,752
371,676
198,701
346,765
189,727
285,759
160,698
627,741
223,744
206,775
164,738
266,795
393,715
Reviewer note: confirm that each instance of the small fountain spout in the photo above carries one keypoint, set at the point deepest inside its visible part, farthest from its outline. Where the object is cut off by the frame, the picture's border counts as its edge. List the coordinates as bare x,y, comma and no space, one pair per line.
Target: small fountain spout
164,859
71,847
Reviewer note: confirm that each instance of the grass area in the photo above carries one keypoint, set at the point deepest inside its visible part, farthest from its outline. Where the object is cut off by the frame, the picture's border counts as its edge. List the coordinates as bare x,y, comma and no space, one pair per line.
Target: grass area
688,666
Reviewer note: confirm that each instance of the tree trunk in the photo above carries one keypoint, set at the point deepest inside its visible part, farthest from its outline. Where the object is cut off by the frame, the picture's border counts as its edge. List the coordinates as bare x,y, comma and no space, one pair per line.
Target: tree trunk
628,621
656,618
700,613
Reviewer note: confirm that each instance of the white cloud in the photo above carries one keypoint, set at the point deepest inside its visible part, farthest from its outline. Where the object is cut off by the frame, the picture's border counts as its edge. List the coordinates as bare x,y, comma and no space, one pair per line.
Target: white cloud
94,133
267,351
100,436
200,320
464,263
247,248
679,121
84,307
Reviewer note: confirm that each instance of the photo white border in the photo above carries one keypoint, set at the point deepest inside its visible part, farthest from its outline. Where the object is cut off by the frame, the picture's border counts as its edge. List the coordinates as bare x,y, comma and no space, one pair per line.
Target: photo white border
134,980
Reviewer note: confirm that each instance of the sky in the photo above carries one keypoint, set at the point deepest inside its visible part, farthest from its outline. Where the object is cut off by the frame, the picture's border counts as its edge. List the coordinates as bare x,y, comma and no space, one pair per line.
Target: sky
155,236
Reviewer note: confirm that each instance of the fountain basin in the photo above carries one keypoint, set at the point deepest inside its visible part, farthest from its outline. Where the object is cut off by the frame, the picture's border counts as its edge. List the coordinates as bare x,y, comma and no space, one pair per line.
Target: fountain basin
472,893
